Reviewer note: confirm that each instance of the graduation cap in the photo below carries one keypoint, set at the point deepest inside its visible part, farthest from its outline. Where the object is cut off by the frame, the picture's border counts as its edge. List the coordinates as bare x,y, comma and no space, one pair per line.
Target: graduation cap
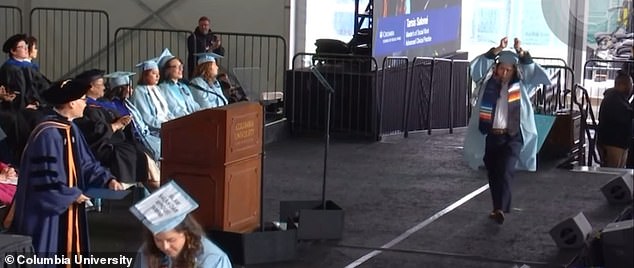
148,64
165,57
117,79
12,42
65,91
164,209
207,57
509,57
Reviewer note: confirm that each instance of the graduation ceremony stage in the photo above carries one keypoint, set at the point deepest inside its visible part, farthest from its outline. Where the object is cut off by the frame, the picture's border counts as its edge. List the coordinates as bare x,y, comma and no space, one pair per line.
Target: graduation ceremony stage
414,197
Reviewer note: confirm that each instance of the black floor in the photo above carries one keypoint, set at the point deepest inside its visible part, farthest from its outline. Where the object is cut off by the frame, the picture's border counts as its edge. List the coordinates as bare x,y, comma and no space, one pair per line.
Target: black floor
387,188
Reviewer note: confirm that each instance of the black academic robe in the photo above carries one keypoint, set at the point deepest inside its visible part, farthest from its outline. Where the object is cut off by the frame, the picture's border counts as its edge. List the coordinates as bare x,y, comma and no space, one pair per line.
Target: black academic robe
25,80
57,166
17,121
117,150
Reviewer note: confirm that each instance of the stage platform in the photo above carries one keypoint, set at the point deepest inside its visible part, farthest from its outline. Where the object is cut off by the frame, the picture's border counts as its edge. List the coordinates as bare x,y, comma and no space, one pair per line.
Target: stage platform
415,198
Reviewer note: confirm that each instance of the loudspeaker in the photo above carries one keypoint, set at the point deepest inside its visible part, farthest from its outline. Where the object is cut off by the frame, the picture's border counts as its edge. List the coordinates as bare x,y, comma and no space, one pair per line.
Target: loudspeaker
572,232
619,189
618,244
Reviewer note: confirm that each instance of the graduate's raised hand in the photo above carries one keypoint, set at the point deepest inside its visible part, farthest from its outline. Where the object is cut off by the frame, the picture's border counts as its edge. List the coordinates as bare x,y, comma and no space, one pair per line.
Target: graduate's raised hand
504,42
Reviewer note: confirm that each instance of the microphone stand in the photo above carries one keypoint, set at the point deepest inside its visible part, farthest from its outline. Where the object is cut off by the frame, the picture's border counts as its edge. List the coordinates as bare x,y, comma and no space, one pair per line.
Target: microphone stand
329,91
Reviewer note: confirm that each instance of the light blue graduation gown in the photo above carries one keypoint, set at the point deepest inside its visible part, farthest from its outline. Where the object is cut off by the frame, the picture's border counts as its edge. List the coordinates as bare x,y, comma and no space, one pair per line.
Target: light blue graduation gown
149,112
179,98
207,99
151,140
211,257
531,76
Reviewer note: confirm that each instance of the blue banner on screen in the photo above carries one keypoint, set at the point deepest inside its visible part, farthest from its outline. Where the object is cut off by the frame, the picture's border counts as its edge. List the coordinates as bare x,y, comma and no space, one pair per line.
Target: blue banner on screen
416,30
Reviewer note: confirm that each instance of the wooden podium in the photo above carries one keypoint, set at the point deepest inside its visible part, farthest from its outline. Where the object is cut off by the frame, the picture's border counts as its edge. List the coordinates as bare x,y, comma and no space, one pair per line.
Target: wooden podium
215,155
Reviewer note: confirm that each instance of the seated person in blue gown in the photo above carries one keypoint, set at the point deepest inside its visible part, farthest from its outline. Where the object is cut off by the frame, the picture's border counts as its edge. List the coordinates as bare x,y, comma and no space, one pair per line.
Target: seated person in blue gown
149,100
178,95
173,237
109,134
205,87
57,168
116,96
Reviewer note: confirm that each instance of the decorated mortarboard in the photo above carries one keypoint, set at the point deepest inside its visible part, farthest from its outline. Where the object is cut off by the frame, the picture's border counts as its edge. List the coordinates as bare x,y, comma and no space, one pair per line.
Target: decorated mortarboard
165,208
507,56
147,65
117,79
64,92
207,57
165,57
12,42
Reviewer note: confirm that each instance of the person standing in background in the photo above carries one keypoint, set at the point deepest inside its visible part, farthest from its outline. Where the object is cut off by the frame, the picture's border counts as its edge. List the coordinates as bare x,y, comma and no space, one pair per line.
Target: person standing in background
202,40
614,132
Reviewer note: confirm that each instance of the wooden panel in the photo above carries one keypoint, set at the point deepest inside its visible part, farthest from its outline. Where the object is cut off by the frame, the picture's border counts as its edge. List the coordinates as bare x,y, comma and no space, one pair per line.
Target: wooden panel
243,196
207,191
214,136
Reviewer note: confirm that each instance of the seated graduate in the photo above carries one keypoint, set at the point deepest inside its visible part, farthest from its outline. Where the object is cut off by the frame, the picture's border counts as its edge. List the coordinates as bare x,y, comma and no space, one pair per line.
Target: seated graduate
178,95
205,87
173,237
109,134
57,169
149,100
116,97
8,182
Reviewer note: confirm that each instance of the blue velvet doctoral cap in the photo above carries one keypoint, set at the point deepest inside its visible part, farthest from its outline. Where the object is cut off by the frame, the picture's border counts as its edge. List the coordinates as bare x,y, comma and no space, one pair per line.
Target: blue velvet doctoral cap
13,41
65,91
148,65
509,57
164,209
207,57
165,57
118,78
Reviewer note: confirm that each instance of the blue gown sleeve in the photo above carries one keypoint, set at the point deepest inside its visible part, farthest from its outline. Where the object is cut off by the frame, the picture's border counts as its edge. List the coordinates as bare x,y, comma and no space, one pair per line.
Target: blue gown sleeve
43,164
212,256
148,138
532,74
481,65
201,97
189,98
141,100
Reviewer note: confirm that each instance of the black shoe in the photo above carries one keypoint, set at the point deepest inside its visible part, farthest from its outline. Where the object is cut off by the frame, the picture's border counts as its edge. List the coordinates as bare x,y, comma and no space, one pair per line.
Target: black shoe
497,215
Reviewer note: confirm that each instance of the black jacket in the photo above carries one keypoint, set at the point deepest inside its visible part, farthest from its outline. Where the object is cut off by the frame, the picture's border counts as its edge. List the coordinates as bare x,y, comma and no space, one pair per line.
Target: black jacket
198,42
615,120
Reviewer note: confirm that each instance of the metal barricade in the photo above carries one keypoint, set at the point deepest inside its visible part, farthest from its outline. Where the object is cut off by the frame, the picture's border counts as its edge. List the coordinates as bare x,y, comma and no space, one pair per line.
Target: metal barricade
134,45
71,40
598,75
258,61
11,18
557,96
434,102
393,103
354,106
549,61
